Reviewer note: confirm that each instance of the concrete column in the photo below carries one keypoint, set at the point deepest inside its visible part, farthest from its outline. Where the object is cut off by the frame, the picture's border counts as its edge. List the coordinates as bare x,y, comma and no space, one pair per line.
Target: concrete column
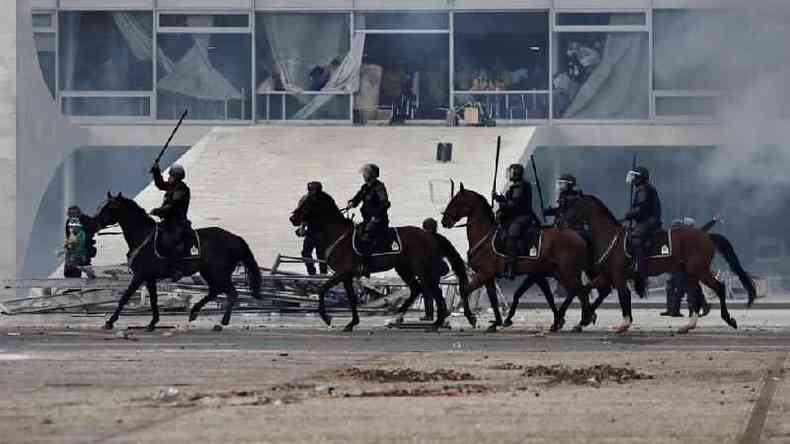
8,140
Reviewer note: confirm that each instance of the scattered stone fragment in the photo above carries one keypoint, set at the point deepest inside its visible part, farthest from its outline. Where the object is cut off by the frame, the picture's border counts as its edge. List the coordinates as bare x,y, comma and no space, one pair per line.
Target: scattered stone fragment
404,375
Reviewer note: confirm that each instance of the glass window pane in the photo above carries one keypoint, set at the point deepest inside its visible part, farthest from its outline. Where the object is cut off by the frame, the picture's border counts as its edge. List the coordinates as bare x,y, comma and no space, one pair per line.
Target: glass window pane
501,51
699,50
505,107
107,106
414,20
204,20
106,51
408,73
42,20
45,50
295,58
270,106
334,107
687,106
601,19
601,75
209,74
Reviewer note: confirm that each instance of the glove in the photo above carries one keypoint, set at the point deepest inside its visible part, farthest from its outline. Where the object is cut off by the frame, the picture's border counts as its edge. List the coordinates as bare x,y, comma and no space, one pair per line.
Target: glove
155,167
375,219
499,198
156,212
350,205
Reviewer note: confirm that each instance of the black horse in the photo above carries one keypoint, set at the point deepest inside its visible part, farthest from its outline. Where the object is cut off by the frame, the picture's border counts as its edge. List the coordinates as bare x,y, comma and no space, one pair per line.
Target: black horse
417,263
219,254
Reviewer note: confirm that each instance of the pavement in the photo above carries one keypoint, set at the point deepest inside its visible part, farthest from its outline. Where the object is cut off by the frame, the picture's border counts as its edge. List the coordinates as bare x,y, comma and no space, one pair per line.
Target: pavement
273,378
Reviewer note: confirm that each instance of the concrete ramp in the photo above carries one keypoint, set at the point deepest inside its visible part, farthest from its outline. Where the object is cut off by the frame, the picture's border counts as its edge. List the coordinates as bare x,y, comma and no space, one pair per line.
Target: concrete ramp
249,179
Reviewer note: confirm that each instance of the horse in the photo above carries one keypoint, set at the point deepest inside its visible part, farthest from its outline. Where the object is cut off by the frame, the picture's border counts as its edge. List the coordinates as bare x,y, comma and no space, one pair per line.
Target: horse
690,250
561,255
219,253
416,263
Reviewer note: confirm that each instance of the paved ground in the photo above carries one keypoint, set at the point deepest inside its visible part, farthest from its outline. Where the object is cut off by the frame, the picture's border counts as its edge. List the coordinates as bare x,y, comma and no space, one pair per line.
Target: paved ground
288,379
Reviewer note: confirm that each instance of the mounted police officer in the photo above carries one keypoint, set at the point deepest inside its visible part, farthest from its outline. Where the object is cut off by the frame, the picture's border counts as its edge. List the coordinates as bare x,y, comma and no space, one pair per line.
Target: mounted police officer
645,214
515,213
567,195
173,212
375,203
312,238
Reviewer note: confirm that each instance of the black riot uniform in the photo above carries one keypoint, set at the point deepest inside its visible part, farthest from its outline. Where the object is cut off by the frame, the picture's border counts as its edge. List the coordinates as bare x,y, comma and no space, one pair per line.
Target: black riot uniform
173,213
568,193
515,212
312,238
645,213
375,203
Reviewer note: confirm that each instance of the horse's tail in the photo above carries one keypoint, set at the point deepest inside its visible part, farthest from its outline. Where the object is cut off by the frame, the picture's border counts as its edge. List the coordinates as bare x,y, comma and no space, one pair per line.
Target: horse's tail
456,261
724,247
253,271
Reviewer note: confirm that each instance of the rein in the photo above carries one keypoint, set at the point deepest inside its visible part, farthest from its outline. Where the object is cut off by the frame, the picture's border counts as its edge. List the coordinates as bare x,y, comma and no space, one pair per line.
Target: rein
608,251
478,245
337,241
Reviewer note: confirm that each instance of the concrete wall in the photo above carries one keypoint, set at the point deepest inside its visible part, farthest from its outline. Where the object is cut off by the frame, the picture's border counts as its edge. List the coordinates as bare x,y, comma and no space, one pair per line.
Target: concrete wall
7,140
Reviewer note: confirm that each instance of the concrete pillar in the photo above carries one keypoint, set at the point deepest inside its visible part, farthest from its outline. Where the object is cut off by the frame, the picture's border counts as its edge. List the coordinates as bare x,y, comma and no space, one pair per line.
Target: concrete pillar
8,257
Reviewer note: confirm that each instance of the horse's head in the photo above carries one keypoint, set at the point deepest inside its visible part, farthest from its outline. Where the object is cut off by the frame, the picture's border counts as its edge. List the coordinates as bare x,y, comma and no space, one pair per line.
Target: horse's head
586,209
462,205
117,209
314,207
109,211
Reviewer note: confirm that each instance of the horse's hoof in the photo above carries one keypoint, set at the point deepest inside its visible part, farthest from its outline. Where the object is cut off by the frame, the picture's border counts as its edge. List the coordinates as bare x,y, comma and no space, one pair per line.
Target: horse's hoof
192,316
576,328
472,320
217,327
731,322
621,329
326,318
594,318
349,328
557,325
491,328
150,327
107,326
507,323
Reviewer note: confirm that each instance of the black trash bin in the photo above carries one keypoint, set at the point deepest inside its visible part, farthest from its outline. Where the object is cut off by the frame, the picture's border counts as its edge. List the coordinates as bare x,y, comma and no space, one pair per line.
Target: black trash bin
444,152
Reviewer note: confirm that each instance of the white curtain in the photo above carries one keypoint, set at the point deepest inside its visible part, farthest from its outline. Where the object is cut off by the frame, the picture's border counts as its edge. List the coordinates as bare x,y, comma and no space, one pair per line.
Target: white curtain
618,87
299,42
194,75
140,40
345,78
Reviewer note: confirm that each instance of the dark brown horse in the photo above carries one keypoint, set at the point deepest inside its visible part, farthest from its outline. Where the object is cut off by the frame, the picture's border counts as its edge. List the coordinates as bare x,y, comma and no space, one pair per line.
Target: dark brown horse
417,263
561,254
689,250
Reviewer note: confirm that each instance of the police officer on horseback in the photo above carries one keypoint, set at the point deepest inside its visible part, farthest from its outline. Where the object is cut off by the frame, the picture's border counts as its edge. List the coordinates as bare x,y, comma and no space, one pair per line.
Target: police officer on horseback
173,212
515,213
375,203
567,195
645,214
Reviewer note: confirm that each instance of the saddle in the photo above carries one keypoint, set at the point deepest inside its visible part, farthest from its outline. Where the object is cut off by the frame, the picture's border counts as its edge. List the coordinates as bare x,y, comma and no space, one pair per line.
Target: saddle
529,243
388,243
190,243
659,246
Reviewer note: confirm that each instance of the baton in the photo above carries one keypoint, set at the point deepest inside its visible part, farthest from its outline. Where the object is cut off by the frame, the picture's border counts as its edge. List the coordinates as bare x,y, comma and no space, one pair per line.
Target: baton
537,184
496,167
164,148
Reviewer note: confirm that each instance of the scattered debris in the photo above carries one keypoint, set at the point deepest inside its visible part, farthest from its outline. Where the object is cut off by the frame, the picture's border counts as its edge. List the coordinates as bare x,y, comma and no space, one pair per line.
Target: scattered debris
173,397
405,375
594,376
446,390
507,366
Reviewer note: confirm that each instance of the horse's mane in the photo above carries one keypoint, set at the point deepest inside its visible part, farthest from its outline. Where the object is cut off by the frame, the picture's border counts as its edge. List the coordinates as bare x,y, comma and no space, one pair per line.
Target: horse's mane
604,209
329,201
136,209
489,211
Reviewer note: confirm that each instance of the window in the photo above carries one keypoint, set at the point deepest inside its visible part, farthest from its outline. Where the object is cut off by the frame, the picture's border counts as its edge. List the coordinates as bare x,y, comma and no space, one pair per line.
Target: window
601,66
208,74
704,107
107,54
306,68
500,52
45,50
200,20
401,21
